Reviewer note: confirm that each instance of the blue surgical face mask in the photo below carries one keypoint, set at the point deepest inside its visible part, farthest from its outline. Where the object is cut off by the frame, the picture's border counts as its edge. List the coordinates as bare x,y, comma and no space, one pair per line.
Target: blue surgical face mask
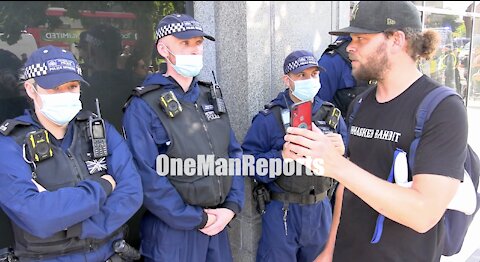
60,108
187,65
305,90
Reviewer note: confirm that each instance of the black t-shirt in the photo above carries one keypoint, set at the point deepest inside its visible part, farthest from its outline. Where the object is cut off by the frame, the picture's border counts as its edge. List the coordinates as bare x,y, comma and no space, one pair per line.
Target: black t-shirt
378,129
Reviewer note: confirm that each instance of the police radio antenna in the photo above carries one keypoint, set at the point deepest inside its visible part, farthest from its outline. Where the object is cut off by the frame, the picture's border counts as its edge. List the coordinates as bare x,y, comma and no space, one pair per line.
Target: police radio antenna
98,108
214,78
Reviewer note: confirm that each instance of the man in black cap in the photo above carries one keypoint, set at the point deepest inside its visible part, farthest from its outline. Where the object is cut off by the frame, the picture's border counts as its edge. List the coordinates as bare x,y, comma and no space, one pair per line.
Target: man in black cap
296,222
387,41
176,117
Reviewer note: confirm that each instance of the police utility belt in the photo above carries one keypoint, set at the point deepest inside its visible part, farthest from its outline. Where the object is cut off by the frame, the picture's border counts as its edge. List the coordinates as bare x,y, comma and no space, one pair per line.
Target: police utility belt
304,199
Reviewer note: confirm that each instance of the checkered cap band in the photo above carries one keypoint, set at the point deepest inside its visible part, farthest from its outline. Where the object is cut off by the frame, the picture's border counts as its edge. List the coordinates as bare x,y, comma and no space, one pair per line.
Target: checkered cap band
36,70
178,27
301,61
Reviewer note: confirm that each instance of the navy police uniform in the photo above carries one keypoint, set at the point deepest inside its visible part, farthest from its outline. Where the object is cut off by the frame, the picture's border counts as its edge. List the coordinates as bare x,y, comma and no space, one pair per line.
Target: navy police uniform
337,74
79,216
307,221
170,227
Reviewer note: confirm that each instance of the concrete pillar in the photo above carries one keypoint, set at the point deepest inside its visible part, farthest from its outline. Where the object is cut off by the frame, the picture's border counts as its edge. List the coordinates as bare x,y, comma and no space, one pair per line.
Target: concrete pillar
253,39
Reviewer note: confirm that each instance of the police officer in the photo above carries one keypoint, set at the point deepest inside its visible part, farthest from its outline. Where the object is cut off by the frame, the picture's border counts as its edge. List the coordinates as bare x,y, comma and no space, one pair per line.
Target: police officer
297,221
68,180
338,71
175,116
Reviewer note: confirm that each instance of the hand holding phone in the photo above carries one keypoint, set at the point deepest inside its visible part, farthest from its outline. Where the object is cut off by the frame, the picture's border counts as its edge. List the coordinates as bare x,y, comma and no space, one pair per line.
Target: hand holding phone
301,115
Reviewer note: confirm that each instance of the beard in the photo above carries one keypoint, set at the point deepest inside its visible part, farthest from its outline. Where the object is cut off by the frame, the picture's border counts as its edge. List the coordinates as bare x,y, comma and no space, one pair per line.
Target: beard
374,67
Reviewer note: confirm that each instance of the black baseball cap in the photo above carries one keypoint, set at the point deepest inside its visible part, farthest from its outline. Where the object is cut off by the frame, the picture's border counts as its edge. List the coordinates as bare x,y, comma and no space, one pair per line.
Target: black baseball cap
371,17
181,26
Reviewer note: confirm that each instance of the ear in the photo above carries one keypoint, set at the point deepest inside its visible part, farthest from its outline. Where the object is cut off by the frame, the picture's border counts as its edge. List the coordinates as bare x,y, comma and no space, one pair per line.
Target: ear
287,81
29,90
399,41
162,49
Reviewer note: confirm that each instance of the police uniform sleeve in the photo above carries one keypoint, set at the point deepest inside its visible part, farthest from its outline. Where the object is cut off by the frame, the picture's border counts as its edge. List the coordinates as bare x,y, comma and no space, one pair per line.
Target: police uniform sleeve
127,196
42,213
343,131
337,75
259,141
146,138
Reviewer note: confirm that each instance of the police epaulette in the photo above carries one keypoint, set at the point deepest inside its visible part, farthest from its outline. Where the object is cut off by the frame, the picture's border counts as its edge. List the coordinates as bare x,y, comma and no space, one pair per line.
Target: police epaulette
269,105
266,108
141,90
334,46
326,103
10,124
204,83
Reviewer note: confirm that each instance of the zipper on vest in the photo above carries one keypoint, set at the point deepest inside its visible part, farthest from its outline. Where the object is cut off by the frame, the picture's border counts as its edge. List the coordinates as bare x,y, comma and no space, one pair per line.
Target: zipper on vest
210,144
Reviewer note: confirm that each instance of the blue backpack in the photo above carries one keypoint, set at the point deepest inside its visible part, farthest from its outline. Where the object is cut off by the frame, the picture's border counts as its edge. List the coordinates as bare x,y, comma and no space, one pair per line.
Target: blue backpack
456,222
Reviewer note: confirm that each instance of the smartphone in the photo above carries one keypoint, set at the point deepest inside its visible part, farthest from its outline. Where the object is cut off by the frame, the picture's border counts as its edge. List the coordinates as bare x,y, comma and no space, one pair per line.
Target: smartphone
301,115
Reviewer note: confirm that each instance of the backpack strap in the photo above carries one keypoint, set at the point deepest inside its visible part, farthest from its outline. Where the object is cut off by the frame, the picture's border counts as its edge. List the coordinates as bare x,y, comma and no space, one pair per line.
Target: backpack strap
424,111
356,106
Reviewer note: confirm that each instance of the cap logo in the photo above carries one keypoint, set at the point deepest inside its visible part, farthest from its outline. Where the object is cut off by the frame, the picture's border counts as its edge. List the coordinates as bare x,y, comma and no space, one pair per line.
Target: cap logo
60,64
391,21
178,27
192,25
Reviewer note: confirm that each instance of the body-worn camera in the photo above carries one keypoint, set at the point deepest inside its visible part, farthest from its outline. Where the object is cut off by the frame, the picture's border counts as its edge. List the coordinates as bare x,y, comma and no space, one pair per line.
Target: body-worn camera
217,97
170,104
39,145
97,134
327,118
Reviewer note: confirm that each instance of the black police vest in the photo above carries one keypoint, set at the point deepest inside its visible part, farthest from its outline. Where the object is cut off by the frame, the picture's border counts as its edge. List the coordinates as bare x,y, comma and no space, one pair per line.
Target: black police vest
61,170
304,183
195,131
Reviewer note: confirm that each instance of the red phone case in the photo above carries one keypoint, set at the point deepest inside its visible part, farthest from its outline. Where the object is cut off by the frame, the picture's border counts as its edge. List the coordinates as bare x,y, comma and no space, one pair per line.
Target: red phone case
301,115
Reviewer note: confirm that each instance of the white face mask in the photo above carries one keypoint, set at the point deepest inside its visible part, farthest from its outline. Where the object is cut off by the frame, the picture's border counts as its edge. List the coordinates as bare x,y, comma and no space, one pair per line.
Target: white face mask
187,65
305,90
60,108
